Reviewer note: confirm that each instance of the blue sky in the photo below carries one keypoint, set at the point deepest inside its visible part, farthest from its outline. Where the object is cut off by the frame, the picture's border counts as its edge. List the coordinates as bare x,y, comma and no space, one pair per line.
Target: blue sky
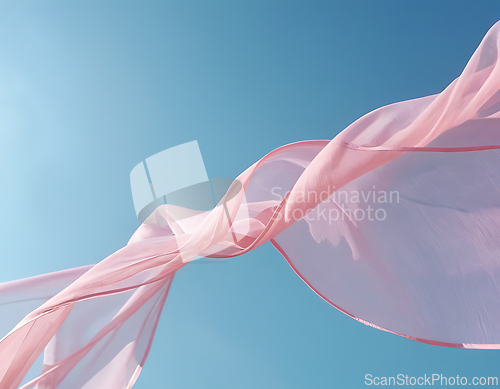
88,89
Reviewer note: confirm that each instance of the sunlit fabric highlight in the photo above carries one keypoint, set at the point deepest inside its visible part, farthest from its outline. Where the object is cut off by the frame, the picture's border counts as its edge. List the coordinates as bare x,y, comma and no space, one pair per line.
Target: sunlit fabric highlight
395,221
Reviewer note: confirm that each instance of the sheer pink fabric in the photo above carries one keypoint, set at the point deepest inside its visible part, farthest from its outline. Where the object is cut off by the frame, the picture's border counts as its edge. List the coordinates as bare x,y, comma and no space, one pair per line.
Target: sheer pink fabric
428,270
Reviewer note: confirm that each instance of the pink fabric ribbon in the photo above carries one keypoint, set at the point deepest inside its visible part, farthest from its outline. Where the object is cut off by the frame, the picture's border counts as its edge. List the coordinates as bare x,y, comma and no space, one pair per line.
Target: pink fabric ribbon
429,269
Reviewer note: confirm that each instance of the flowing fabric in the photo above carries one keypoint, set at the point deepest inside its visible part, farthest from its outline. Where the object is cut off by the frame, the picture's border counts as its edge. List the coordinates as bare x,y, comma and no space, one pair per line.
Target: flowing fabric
396,222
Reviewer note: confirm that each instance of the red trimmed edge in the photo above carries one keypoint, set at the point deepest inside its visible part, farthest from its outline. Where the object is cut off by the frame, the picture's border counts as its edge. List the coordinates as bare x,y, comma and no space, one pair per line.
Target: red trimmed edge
427,341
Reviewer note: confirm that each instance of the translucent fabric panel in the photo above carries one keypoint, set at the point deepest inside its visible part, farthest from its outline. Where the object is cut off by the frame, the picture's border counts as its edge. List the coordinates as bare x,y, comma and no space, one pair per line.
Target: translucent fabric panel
412,246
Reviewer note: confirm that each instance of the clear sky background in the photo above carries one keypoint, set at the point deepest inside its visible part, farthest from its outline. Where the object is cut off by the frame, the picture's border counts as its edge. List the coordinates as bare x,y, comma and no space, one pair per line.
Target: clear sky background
88,89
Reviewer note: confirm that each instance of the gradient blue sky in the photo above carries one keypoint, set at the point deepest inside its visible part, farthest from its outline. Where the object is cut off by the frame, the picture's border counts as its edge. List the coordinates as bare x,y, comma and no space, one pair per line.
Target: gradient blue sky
88,89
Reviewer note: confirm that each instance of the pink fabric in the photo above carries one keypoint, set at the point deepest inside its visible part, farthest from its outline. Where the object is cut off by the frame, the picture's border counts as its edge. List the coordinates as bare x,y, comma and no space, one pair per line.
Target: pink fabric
428,271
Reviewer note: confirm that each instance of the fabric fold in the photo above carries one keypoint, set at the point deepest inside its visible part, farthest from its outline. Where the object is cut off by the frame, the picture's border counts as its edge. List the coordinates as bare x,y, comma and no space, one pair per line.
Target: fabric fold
396,222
